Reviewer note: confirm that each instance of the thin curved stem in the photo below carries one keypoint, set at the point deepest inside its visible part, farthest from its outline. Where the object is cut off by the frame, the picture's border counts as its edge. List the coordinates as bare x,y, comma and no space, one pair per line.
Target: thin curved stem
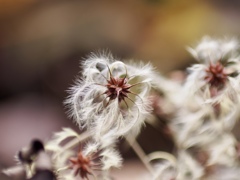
74,142
125,103
136,84
136,95
140,153
110,73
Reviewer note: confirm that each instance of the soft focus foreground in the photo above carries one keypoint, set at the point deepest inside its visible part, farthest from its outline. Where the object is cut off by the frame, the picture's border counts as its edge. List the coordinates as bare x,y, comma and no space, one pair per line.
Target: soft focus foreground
42,43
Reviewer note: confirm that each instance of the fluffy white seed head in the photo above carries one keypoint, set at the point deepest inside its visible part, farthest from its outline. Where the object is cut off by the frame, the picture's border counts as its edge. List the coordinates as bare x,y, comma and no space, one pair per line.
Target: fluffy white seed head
93,102
210,50
215,80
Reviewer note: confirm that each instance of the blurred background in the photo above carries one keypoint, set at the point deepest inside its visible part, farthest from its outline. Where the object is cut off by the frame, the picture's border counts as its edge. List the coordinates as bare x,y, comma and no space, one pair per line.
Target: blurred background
42,43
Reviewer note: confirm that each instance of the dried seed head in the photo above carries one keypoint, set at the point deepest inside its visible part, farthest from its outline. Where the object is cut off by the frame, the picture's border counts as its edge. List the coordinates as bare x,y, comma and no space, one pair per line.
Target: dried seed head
117,88
216,75
84,165
103,99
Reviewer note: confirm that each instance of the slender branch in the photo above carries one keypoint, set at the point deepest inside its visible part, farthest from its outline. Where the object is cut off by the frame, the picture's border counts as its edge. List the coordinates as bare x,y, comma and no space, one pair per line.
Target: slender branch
140,153
74,142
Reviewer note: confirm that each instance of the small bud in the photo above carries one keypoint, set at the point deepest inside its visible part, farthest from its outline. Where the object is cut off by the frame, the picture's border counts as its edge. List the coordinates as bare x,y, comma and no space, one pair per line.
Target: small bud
26,154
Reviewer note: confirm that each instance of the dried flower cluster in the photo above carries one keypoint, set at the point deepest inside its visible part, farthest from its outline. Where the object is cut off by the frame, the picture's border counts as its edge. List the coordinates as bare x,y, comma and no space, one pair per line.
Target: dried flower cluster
113,99
206,112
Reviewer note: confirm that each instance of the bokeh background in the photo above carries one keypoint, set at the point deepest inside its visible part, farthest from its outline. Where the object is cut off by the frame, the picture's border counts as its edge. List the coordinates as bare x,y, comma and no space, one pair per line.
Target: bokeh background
42,43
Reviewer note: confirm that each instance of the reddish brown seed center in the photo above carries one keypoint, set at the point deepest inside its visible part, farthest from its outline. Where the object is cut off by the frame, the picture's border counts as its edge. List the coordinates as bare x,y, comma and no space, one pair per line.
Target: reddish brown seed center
80,165
117,88
216,75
